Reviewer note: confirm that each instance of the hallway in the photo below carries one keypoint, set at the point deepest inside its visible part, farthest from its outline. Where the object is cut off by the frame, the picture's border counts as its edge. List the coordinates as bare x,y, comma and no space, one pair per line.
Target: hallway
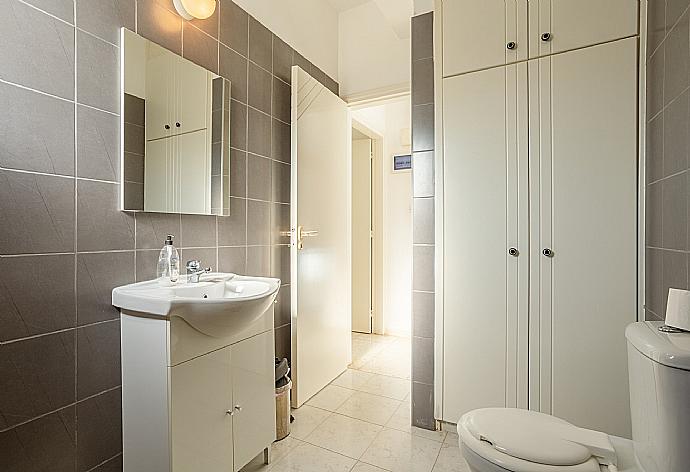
361,421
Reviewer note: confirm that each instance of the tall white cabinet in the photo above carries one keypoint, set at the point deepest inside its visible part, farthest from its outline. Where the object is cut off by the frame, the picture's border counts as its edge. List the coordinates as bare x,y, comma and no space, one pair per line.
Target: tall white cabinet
540,163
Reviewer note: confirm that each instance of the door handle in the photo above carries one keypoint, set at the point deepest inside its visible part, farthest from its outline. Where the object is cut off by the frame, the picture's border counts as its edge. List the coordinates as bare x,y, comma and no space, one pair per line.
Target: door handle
513,252
548,252
301,234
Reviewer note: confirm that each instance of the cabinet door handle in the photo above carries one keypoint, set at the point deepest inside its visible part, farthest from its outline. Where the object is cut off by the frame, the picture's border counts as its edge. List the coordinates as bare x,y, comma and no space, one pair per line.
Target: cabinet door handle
513,252
511,45
177,125
546,37
230,413
167,126
238,408
548,252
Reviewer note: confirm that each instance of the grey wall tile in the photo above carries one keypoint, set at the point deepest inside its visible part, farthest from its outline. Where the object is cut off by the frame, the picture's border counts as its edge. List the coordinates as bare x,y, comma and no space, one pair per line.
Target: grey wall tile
134,168
113,465
282,313
423,81
98,144
41,209
260,44
332,85
160,25
677,64
199,47
654,215
259,261
282,60
422,36
232,259
423,360
655,82
423,314
282,100
280,263
281,182
36,50
238,126
423,174
36,131
259,88
675,212
423,272
37,376
301,61
232,229
654,159
318,74
674,9
238,173
207,256
98,358
280,223
97,275
234,24
280,141
99,422
153,228
105,17
134,196
656,24
101,226
97,73
259,177
675,275
134,139
422,128
63,9
258,223
233,67
423,221
33,300
146,264
423,406
47,443
259,132
654,300
135,110
676,138
208,25
197,231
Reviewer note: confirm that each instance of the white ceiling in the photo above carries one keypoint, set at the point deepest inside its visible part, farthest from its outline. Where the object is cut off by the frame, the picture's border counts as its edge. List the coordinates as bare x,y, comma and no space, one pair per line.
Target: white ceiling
396,12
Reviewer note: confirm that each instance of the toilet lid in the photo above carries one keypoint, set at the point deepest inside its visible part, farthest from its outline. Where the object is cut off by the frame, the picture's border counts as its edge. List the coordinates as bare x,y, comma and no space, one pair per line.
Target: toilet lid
531,436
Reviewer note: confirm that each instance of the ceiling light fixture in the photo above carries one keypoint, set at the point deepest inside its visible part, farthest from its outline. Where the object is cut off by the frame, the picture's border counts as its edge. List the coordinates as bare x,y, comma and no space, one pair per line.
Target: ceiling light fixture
191,9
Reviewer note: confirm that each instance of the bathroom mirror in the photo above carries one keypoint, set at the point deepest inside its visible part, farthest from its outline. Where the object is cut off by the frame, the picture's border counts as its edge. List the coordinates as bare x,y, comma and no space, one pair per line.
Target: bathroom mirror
175,132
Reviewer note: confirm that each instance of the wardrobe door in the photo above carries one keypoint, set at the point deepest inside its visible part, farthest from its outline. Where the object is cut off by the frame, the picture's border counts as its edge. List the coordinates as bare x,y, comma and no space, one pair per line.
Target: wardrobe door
478,34
562,25
583,126
485,175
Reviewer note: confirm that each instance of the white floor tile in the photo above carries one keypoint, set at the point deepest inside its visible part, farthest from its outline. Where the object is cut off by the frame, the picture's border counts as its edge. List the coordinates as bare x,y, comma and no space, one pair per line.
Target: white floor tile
353,379
279,449
398,451
452,438
330,398
401,420
309,458
450,460
347,436
307,418
364,467
368,407
385,386
384,364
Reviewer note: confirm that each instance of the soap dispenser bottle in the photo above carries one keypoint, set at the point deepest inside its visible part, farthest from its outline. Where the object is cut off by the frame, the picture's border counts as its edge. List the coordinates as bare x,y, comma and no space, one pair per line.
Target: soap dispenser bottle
168,271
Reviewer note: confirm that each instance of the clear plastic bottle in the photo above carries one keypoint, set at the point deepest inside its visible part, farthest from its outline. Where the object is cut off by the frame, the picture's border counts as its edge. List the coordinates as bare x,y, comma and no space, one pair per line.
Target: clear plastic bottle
168,271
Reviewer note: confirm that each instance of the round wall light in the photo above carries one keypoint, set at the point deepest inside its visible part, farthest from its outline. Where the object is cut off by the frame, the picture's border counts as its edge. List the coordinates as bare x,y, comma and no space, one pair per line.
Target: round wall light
191,9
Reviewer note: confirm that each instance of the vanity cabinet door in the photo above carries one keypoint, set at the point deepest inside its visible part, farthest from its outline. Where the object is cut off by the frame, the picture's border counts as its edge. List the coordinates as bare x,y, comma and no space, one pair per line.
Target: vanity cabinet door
160,96
201,403
562,25
193,173
193,92
478,34
253,394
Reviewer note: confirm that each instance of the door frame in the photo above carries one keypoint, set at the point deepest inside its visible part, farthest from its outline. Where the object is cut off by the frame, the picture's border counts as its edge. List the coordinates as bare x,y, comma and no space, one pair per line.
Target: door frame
377,321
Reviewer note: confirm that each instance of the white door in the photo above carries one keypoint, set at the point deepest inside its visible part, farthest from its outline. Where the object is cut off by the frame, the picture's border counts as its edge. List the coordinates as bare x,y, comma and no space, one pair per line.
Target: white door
485,214
562,25
320,253
583,118
193,173
193,85
478,34
160,92
158,183
361,236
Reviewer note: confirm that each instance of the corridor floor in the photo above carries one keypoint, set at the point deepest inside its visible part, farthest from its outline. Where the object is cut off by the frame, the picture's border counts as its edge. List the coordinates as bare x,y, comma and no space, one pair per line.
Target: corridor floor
361,421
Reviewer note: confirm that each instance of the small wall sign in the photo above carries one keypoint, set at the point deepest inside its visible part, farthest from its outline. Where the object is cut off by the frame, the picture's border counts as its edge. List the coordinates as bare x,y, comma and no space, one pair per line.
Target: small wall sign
402,163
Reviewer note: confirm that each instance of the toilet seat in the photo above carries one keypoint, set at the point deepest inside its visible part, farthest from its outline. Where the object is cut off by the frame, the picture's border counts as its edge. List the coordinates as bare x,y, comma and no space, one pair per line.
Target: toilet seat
527,441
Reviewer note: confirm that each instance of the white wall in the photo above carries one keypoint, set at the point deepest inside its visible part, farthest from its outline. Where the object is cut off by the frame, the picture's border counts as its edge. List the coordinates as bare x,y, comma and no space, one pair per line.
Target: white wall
390,120
423,6
372,56
309,26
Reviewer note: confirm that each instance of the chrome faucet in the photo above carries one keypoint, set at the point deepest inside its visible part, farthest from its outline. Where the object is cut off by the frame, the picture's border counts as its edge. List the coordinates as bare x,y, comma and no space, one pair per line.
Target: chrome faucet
194,271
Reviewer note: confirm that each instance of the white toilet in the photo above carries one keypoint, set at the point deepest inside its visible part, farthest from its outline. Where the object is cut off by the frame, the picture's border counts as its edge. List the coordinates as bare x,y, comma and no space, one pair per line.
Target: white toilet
511,440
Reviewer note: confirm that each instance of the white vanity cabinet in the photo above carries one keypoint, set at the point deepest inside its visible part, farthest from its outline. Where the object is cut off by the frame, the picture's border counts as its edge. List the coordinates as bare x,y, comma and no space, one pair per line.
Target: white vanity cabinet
192,401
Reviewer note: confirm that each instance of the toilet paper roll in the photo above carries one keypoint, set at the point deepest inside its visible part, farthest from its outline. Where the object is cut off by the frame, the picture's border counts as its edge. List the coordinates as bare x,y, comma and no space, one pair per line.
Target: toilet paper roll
678,309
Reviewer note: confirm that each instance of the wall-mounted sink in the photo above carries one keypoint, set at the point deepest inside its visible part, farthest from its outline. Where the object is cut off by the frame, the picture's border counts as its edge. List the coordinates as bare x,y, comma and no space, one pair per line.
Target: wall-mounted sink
220,305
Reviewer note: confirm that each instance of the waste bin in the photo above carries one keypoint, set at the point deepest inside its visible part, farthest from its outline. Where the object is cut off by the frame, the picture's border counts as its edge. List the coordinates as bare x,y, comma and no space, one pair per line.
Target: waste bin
283,411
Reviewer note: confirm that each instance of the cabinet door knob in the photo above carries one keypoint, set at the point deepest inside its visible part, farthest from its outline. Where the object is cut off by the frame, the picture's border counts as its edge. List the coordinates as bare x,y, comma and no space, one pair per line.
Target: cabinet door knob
511,45
546,37
238,408
230,413
167,126
177,125
547,252
513,252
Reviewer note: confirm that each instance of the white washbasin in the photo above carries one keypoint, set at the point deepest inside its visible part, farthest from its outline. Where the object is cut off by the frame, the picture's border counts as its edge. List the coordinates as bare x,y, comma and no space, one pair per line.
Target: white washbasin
219,305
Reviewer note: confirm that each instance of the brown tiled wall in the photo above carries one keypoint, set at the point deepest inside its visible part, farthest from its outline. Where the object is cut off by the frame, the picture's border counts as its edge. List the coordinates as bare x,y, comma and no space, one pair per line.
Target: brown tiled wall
668,143
64,244
423,296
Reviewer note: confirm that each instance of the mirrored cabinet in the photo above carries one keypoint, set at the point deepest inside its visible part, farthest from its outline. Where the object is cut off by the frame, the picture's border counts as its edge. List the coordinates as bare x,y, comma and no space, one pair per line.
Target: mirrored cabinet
176,122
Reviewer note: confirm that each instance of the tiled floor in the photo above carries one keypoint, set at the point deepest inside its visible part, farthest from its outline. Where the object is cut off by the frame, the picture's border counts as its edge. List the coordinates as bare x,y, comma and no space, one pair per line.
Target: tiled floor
361,422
